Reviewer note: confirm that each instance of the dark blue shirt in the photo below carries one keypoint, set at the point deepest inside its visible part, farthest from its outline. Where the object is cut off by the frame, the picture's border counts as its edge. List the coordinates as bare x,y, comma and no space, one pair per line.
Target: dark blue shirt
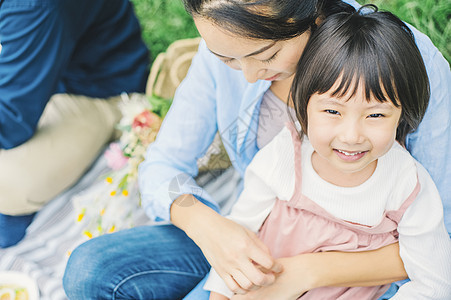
83,47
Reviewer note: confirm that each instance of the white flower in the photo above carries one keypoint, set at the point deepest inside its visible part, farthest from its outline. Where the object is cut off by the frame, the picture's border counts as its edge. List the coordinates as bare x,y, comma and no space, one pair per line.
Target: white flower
132,105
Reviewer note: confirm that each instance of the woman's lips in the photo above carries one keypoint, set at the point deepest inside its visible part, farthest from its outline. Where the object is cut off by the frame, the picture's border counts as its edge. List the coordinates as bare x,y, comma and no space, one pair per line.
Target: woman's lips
273,77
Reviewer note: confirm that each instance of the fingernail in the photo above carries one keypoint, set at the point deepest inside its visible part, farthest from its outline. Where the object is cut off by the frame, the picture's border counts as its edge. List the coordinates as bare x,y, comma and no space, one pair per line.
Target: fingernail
277,268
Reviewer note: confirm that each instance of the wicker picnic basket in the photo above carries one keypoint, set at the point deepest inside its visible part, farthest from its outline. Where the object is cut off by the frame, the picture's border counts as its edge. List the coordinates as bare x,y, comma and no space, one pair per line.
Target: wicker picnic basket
167,72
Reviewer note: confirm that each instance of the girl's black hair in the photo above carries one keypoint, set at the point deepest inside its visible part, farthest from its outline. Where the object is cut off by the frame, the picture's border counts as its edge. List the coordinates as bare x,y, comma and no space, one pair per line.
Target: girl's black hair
372,48
265,19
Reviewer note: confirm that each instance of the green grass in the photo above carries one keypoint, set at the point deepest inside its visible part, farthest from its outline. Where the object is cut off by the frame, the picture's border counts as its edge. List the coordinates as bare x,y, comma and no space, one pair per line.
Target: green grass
164,21
432,17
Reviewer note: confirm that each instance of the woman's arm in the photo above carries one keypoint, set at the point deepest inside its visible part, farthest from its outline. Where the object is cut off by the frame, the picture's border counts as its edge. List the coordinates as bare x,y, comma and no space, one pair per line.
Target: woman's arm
186,133
230,248
230,244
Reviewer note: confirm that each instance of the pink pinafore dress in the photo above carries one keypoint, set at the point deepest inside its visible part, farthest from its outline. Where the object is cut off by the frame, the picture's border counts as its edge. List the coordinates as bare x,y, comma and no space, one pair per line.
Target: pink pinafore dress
301,226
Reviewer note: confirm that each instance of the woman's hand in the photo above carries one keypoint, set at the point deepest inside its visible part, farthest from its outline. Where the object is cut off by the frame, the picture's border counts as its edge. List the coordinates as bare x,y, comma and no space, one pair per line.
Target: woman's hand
233,251
236,254
289,285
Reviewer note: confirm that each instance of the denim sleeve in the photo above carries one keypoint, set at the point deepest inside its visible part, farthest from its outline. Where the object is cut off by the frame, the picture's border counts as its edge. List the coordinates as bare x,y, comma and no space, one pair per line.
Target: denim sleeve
34,49
430,144
186,133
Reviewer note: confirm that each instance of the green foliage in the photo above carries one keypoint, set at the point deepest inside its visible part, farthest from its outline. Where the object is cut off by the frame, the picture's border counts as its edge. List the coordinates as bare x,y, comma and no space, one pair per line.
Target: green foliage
162,22
432,17
159,105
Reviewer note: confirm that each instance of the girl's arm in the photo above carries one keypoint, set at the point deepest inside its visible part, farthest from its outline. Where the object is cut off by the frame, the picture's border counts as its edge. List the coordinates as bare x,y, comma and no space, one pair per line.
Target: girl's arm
368,268
308,271
216,296
425,245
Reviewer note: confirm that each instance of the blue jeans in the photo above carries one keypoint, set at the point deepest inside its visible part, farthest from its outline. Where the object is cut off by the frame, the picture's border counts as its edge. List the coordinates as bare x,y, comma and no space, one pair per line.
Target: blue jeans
148,262
198,293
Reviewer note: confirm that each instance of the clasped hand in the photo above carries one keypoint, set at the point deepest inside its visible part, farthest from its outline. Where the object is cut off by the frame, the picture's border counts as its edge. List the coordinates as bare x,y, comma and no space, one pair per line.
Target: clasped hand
237,255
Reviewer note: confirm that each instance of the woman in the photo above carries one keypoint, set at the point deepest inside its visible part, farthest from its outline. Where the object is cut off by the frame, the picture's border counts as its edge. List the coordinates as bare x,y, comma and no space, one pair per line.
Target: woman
247,59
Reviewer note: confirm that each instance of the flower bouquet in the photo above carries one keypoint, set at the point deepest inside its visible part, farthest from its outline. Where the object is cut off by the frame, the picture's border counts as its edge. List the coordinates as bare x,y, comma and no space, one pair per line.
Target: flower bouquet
113,203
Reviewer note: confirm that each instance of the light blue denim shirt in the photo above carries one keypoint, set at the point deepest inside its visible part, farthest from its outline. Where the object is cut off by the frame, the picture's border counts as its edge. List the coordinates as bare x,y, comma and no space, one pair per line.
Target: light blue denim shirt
213,97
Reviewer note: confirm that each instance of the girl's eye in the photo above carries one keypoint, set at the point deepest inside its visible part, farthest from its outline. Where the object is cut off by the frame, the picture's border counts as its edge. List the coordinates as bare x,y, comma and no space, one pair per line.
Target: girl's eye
332,112
267,61
376,115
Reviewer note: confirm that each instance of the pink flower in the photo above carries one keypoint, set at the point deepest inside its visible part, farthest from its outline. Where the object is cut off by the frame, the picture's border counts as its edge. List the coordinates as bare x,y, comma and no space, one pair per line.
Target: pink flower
114,157
145,119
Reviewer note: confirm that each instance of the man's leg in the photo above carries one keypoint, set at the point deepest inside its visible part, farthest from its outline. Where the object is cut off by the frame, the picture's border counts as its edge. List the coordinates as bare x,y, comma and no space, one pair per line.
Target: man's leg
12,228
149,262
71,133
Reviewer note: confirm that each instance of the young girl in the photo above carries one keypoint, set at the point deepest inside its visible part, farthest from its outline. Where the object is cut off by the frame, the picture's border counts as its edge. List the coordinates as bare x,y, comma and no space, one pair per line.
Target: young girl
348,184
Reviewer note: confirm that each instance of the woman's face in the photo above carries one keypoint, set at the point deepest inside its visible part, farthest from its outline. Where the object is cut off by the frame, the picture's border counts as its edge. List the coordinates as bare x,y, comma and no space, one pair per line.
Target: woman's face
257,59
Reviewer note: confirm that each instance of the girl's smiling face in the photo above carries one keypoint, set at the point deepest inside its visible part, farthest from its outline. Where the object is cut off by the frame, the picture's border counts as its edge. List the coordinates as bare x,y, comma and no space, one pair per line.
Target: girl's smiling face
257,59
349,134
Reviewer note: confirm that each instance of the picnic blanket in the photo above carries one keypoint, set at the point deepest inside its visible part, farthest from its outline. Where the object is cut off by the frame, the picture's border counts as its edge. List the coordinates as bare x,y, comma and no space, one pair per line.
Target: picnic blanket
54,233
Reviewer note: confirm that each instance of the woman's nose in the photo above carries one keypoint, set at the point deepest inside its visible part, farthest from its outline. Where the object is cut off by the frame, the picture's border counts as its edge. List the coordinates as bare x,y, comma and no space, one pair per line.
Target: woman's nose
251,71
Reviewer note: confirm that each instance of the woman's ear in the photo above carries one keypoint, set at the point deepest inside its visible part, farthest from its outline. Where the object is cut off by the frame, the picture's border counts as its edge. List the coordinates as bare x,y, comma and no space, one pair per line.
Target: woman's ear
319,20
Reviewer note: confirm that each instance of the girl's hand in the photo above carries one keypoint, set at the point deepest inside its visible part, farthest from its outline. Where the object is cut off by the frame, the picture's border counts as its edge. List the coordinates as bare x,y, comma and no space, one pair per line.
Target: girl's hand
289,285
233,251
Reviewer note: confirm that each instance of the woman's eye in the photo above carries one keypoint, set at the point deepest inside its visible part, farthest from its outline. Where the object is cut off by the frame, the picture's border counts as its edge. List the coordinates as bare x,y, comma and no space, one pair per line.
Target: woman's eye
227,60
378,115
267,61
332,112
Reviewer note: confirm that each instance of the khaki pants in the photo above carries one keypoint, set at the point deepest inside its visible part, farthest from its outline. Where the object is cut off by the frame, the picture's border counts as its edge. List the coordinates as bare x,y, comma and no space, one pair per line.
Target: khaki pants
71,133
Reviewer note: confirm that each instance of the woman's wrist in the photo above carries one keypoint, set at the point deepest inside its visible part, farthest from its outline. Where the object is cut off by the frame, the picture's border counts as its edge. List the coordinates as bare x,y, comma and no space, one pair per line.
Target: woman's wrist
189,214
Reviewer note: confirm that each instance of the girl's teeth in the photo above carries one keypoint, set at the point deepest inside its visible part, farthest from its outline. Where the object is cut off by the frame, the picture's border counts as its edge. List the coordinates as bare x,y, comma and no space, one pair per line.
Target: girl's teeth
347,153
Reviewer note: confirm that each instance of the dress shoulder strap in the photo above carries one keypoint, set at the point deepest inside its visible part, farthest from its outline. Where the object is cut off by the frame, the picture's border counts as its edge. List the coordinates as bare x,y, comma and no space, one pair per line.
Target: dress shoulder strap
297,143
396,215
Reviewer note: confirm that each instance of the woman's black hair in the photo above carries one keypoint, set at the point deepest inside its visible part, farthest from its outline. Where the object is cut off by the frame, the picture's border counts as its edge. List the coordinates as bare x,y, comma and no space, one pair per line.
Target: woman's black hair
372,48
265,19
